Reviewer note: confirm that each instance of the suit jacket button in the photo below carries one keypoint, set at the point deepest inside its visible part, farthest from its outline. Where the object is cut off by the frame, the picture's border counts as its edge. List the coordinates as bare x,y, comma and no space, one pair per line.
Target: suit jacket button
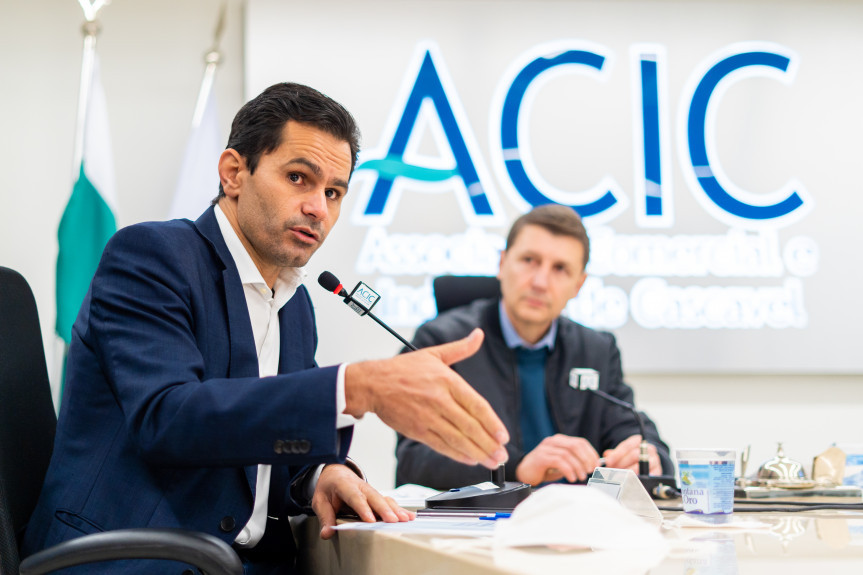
292,446
304,446
279,446
227,524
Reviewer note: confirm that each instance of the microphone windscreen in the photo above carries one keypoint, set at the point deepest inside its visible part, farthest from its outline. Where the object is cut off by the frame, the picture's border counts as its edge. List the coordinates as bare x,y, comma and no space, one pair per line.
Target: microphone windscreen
328,281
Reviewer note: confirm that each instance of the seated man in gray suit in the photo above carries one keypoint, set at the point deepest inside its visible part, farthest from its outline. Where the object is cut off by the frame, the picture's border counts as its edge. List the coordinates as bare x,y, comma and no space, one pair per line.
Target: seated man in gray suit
522,369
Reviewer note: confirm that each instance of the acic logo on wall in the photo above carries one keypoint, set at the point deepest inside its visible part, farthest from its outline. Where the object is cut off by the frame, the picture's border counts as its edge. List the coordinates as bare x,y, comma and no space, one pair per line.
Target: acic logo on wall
428,105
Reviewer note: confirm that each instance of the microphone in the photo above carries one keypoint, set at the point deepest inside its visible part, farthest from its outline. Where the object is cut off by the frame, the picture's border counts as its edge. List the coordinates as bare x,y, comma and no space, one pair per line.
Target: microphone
500,495
331,283
587,379
365,300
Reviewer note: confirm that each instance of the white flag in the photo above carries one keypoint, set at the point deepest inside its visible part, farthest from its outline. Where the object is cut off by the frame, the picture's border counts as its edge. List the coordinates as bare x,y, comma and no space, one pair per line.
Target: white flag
198,183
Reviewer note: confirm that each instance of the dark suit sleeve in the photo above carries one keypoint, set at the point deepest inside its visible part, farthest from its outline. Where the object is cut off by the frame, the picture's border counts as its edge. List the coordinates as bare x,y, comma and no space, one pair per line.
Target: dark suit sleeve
155,322
620,423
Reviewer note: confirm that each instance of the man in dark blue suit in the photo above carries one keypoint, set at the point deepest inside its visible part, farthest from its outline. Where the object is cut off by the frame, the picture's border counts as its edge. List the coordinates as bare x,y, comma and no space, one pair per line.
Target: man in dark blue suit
192,395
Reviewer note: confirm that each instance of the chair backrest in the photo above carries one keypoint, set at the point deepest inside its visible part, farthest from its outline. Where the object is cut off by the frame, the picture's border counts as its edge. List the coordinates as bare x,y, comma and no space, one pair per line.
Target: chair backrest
455,291
27,417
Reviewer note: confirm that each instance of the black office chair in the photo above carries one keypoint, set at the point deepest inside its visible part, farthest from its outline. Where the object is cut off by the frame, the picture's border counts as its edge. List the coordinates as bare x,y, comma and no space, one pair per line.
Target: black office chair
455,291
27,425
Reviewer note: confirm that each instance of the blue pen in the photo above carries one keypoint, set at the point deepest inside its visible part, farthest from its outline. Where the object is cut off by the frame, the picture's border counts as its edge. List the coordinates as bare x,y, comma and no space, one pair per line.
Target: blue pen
497,516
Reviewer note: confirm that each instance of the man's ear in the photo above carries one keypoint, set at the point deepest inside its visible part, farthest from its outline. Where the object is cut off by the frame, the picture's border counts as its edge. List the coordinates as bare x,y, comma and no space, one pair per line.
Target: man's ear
231,169
580,283
500,263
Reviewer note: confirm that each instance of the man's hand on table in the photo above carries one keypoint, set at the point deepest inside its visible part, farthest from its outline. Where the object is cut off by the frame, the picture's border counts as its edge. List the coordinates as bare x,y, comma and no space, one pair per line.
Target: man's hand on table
625,455
339,487
558,456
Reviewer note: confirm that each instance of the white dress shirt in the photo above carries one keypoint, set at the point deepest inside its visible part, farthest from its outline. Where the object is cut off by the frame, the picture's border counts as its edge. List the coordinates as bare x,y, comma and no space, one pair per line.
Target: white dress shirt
513,340
264,305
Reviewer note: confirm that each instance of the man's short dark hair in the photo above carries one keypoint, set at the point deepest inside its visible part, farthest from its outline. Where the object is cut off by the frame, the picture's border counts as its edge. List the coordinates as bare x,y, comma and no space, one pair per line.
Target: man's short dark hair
559,220
257,127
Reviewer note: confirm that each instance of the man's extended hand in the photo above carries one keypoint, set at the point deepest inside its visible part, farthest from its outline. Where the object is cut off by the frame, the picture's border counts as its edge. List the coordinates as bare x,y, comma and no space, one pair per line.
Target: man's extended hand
339,487
418,395
556,457
625,455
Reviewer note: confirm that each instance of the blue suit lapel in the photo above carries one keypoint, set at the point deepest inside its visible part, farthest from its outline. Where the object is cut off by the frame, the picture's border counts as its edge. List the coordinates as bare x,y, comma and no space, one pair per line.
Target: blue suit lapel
243,361
290,355
244,357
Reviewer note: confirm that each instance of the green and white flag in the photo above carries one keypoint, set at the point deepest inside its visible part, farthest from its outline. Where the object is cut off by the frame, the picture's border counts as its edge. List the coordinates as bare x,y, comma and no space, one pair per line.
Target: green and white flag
88,220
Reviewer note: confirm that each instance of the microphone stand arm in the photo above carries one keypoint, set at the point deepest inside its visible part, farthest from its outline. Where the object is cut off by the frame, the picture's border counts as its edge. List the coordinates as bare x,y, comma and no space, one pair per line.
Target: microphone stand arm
644,454
408,344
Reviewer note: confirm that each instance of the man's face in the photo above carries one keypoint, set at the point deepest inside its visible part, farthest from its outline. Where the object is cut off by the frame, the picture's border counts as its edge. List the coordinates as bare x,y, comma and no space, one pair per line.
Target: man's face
539,274
288,206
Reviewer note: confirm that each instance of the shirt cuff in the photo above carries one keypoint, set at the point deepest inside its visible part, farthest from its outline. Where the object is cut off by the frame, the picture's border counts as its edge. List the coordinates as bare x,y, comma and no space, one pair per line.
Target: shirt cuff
342,419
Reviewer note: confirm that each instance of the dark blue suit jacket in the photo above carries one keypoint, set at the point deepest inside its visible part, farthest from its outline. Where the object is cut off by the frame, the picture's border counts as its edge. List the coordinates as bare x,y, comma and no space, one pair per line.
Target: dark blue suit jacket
164,418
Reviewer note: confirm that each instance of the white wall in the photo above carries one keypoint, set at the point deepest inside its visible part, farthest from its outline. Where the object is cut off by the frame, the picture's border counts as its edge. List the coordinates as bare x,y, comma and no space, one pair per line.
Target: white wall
152,59
151,56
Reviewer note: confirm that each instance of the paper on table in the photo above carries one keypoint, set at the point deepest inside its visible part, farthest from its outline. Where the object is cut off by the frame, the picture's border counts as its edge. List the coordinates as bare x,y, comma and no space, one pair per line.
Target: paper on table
728,522
473,527
410,495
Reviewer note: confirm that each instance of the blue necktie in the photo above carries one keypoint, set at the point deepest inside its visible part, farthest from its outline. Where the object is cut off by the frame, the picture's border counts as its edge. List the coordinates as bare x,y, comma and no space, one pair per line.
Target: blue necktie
535,418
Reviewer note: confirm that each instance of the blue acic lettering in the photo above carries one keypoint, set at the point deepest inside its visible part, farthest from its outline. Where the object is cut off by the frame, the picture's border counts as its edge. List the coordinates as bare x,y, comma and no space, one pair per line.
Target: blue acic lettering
368,296
698,144
509,121
428,87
